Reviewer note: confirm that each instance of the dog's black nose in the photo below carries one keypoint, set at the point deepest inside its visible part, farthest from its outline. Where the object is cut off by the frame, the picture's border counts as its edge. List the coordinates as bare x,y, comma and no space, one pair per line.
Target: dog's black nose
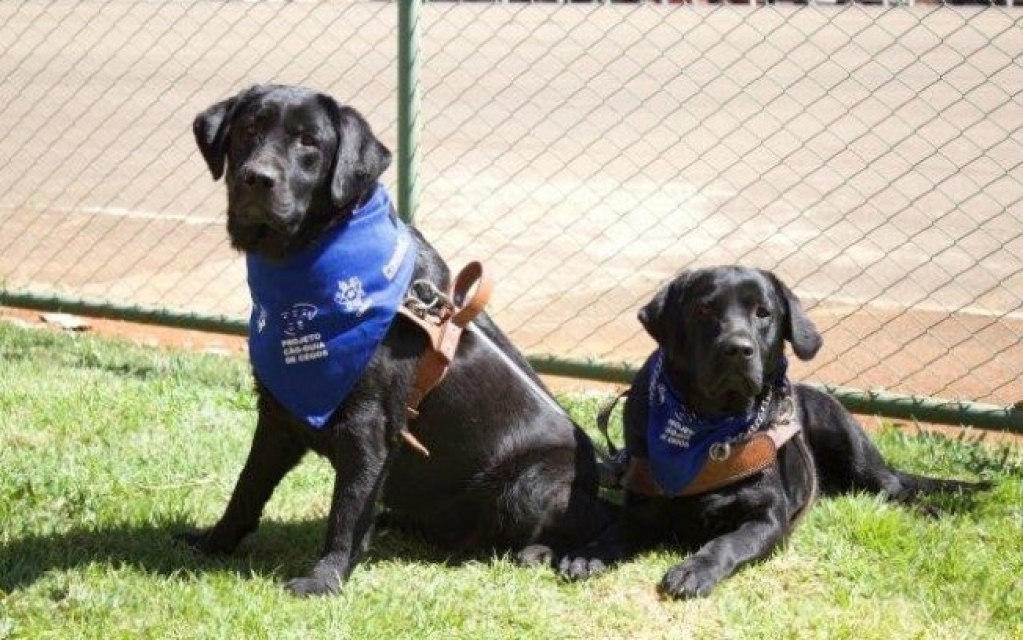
738,348
259,177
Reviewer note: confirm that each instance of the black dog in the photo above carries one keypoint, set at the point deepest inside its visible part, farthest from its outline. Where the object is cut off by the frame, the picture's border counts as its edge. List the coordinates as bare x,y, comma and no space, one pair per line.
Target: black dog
507,468
724,453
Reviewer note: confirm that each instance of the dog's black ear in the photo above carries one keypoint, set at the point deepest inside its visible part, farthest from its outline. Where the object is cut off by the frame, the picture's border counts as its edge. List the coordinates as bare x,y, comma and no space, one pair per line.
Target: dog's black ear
361,158
211,128
800,330
655,316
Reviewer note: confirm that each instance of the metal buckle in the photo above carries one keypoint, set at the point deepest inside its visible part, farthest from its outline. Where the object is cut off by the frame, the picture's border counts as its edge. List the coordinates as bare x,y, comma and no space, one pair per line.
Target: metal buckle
786,410
424,298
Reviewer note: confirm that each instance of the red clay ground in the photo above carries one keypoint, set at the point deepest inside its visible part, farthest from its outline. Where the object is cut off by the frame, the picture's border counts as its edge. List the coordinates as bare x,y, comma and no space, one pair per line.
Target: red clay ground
159,336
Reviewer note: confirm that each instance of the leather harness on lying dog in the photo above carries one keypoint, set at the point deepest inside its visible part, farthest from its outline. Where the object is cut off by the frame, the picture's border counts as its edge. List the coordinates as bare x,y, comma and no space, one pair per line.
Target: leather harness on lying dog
727,464
443,316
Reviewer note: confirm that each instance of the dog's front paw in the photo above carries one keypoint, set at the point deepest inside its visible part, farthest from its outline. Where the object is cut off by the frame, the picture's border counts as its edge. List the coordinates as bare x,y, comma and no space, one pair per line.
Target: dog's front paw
313,586
324,581
694,578
203,542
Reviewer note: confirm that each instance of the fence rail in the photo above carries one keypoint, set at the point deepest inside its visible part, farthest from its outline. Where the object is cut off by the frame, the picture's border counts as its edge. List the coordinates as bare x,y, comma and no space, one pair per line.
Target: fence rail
869,155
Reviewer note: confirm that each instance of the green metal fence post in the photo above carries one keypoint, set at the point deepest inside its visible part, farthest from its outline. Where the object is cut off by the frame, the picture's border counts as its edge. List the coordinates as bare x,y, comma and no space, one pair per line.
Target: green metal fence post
408,108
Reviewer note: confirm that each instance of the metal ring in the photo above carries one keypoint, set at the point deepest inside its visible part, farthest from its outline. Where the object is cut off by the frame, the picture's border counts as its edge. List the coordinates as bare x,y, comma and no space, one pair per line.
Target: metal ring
419,286
719,451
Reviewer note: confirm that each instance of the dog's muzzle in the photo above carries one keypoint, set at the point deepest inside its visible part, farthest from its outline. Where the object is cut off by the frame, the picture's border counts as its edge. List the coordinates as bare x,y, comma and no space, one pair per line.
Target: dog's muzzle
739,367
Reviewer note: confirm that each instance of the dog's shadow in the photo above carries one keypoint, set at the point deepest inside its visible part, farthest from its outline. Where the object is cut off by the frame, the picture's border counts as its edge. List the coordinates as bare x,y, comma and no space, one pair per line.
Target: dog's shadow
278,551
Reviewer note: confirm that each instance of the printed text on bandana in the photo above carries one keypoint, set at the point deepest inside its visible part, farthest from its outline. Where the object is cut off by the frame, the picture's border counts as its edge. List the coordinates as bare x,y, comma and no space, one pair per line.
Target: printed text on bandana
298,347
303,349
677,434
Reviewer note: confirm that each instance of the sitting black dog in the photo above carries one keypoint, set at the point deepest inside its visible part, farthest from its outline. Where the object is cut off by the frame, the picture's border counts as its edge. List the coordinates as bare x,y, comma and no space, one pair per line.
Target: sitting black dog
724,453
328,262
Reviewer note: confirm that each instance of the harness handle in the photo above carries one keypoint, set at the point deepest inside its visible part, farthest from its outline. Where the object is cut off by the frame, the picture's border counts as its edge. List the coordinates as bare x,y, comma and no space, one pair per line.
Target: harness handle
467,298
471,275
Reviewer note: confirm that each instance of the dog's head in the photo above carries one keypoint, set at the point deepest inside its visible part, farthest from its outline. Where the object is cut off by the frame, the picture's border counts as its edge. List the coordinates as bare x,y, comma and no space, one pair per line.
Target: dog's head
723,332
294,161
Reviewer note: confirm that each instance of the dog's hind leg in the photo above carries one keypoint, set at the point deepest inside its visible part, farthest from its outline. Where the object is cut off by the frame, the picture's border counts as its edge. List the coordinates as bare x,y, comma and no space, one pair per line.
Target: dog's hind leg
847,460
273,454
551,506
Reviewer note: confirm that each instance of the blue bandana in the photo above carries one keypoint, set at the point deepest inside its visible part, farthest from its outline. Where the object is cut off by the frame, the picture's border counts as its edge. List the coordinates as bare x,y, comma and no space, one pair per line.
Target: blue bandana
679,441
318,317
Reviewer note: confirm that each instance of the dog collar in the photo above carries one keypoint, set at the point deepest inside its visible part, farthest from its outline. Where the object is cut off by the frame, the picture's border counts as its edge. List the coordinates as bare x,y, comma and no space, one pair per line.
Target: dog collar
318,317
679,442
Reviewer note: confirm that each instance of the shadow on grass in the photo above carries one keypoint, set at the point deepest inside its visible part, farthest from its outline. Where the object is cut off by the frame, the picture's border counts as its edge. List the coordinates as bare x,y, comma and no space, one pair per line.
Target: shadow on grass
277,550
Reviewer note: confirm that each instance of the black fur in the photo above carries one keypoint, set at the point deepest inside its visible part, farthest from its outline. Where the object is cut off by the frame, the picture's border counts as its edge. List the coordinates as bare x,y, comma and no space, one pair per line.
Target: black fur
723,331
507,469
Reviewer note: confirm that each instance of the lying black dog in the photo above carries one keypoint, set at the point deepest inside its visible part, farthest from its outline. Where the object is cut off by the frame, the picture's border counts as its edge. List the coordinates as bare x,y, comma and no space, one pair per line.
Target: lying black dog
328,262
724,453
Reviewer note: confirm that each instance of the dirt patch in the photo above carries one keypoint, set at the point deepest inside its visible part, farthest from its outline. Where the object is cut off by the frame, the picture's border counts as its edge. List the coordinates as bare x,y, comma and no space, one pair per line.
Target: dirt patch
223,344
141,334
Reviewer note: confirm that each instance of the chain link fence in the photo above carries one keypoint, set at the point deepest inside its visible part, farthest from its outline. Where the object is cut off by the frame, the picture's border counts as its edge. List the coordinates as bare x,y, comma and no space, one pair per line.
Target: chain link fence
869,155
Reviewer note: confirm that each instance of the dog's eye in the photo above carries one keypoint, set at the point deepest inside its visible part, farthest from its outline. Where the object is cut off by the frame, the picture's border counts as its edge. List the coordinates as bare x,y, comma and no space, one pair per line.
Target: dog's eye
307,140
704,310
763,312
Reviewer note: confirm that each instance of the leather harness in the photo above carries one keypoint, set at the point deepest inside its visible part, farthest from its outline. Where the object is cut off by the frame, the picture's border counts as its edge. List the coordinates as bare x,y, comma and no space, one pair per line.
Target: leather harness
443,317
741,460
727,464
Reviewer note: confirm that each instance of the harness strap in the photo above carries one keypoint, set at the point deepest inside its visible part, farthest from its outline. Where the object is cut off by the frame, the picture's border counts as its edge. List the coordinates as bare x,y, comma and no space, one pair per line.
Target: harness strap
811,480
604,417
611,468
744,459
444,329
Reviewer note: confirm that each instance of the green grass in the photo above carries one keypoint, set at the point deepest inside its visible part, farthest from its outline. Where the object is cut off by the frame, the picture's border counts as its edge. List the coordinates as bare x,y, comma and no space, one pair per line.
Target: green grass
107,450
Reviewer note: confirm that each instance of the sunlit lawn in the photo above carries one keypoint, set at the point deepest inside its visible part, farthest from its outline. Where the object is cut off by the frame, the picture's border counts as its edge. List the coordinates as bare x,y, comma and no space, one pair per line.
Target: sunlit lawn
107,450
